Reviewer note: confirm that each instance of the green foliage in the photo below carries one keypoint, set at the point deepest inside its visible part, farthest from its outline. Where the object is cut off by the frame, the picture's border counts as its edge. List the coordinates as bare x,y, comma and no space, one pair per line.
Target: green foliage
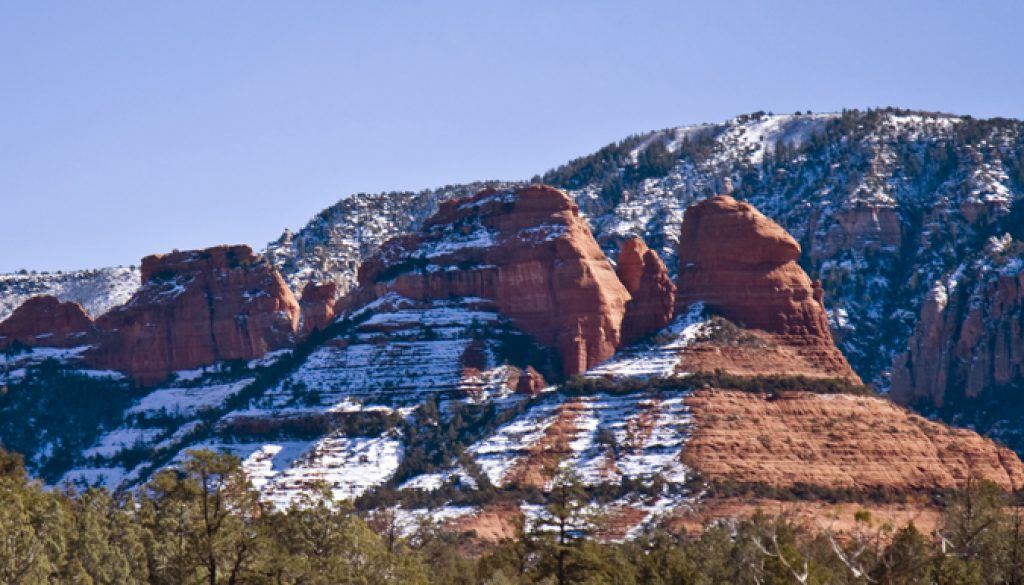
775,384
771,385
721,331
311,425
71,409
201,523
613,168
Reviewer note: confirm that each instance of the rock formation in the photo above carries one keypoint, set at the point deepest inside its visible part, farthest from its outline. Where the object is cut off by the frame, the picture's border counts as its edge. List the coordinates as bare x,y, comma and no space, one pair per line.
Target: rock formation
196,308
870,227
742,266
530,382
45,320
317,303
969,339
647,281
527,250
836,441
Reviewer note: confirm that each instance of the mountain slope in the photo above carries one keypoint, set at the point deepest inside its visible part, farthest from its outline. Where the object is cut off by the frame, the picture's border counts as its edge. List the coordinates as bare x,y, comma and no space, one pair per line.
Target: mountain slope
885,204
425,392
428,387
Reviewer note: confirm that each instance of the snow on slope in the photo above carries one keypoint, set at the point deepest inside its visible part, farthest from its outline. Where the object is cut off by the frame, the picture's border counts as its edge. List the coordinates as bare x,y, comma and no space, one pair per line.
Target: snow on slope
399,353
402,353
333,244
96,290
834,198
638,436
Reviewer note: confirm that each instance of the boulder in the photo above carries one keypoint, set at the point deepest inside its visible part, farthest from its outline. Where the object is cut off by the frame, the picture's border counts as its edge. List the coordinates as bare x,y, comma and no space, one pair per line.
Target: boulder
317,304
530,382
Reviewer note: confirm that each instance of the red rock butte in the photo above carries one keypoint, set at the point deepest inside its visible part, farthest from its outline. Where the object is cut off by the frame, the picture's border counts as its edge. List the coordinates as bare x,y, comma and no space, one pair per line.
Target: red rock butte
529,252
742,266
45,320
196,308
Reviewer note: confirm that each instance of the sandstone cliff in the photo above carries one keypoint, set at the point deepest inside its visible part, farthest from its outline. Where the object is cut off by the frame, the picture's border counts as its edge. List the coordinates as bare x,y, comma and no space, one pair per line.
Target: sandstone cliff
970,336
742,266
525,249
45,320
196,308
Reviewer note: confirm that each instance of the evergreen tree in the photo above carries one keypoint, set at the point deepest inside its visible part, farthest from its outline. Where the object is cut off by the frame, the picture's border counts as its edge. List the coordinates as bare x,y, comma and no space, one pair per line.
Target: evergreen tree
201,521
561,529
907,561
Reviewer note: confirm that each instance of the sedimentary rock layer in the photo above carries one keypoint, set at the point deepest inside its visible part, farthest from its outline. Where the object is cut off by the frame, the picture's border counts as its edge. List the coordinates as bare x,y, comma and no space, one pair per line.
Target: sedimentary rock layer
836,441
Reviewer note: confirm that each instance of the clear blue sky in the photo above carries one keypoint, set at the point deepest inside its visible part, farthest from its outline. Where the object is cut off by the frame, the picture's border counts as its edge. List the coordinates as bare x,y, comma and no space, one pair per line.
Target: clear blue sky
128,128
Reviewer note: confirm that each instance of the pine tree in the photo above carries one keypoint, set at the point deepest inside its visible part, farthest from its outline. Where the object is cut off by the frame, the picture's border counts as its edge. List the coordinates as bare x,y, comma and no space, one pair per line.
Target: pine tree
559,532
201,521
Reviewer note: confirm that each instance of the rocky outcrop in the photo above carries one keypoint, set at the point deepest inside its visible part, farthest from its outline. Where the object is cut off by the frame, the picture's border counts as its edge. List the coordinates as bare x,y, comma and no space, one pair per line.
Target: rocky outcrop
45,320
836,441
969,339
317,304
196,308
530,382
525,249
742,266
869,227
653,293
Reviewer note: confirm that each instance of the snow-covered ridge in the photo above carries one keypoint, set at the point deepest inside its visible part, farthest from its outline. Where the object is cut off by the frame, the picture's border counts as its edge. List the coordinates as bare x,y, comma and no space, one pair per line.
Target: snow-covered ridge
96,290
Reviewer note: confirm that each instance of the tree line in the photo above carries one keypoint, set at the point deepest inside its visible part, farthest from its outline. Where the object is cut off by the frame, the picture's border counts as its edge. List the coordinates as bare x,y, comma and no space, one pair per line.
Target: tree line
202,523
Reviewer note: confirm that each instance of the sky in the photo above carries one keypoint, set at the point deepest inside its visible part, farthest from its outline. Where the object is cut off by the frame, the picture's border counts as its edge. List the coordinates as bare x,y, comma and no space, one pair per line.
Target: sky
129,128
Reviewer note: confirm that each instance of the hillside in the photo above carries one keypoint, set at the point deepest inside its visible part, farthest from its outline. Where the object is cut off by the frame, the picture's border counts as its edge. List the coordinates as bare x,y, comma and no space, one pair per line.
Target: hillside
907,218
488,340
480,362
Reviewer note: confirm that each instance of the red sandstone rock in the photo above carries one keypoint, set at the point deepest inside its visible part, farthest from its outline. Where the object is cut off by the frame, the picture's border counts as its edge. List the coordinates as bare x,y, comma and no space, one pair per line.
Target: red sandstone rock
530,382
836,441
965,342
630,263
318,300
528,251
654,295
196,308
45,320
742,266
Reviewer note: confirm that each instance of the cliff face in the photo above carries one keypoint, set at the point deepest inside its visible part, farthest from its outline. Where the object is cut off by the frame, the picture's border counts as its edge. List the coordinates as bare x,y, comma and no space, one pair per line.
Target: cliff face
525,249
742,266
970,336
196,308
654,294
45,320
